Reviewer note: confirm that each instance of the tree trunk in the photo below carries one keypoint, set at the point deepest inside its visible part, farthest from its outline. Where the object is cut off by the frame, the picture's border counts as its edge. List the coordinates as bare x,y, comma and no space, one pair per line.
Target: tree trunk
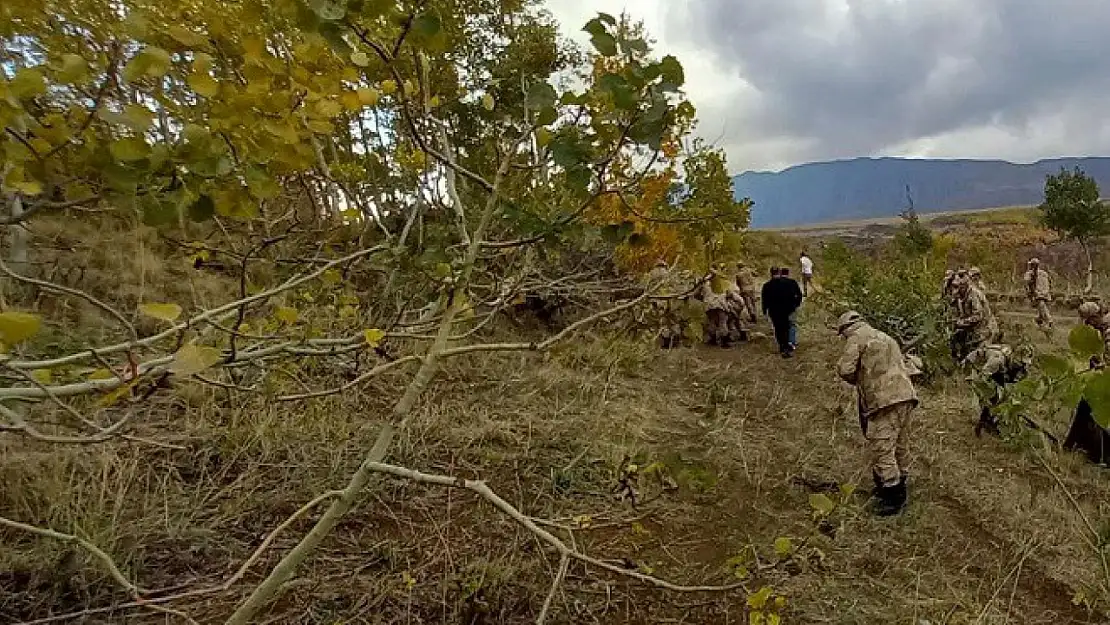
1090,267
18,258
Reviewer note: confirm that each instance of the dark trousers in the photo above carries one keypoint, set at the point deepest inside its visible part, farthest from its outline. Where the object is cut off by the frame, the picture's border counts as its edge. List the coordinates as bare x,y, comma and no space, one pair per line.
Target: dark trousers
782,327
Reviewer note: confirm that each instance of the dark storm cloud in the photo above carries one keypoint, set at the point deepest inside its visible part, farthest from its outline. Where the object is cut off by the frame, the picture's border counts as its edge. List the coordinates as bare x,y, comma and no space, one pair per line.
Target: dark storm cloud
852,77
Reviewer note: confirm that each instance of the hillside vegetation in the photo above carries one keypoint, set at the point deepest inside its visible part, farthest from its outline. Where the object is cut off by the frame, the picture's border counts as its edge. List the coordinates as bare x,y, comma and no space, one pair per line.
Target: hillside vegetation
341,312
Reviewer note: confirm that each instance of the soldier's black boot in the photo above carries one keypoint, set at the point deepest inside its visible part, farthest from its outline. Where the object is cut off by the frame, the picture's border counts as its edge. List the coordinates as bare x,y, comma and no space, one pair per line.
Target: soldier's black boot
890,500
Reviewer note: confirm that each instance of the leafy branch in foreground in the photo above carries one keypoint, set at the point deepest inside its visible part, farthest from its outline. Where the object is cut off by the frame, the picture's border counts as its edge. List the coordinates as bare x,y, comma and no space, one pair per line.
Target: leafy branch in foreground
371,184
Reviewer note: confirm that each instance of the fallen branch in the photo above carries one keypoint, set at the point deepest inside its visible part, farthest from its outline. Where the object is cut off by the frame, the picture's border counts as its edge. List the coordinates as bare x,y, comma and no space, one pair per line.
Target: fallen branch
1095,539
481,489
86,545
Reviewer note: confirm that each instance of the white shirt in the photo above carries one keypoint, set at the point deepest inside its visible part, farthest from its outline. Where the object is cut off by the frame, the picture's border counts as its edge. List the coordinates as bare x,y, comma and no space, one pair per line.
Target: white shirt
807,266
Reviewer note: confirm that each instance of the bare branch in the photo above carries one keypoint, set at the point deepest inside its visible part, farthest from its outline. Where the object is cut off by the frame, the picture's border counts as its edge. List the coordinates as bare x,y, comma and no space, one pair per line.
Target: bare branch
86,545
493,498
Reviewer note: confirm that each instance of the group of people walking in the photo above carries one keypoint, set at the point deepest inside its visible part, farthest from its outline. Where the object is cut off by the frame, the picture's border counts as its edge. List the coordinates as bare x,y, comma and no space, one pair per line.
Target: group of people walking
732,308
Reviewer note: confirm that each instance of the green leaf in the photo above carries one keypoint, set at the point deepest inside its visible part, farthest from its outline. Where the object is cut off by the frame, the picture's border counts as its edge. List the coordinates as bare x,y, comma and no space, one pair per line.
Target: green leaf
605,44
186,37
27,83
159,62
129,149
1085,342
192,359
821,503
1097,394
334,34
427,25
784,546
595,27
137,117
360,58
158,211
165,312
16,327
607,18
624,97
1054,366
671,71
202,209
541,95
74,69
488,102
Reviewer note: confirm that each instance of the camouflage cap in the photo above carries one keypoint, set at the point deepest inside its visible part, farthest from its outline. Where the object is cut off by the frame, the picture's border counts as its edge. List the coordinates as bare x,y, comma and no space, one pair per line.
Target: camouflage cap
974,272
848,320
1089,310
1034,261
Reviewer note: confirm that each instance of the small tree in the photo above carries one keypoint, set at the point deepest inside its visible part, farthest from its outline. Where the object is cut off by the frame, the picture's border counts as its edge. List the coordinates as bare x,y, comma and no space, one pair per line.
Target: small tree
1073,210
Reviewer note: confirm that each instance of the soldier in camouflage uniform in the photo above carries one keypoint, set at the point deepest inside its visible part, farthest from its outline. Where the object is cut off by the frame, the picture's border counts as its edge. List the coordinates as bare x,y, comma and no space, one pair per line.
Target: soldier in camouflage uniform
998,366
976,277
1039,290
873,363
718,307
746,282
975,323
665,313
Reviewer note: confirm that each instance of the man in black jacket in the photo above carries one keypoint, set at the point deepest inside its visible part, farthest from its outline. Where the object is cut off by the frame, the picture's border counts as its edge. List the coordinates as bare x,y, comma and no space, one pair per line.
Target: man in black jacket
781,298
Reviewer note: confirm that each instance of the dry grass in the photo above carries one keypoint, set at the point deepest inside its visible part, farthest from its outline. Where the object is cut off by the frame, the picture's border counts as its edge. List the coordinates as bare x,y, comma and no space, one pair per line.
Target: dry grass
734,429
731,445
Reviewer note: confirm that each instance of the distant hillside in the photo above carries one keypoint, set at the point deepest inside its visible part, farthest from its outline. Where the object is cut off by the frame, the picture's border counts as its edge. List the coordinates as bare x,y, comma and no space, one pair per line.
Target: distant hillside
876,187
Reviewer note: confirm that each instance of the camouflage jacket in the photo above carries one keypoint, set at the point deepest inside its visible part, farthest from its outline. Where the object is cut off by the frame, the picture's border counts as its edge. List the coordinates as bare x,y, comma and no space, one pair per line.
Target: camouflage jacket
745,281
990,359
975,316
1037,286
873,362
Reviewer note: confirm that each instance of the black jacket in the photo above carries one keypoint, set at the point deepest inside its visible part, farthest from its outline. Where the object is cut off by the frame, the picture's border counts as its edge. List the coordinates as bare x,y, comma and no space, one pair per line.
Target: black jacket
781,297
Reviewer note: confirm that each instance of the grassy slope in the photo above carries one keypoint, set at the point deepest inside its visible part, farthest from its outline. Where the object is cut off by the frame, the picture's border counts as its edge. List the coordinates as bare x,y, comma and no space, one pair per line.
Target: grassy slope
741,433
737,430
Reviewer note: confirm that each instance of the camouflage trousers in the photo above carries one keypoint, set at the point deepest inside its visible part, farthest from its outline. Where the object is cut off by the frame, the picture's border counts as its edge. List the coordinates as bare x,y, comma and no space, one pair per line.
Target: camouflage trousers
717,326
749,303
888,442
1044,317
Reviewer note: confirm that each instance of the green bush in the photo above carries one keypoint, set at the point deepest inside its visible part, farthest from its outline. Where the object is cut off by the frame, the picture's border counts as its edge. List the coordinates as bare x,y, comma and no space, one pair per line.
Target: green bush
898,293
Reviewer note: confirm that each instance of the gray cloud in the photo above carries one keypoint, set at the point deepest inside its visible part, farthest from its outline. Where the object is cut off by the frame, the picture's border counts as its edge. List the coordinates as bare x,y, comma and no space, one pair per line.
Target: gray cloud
838,78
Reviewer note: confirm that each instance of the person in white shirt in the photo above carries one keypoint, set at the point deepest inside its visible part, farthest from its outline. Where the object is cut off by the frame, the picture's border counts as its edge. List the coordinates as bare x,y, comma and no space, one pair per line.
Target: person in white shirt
807,273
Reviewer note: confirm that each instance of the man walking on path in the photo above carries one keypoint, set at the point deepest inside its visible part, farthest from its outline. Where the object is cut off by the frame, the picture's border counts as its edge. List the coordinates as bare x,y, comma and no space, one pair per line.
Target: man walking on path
1040,292
781,298
807,273
874,364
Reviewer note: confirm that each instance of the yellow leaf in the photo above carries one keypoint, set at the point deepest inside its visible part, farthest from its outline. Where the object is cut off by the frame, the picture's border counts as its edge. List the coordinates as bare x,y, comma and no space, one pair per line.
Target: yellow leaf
434,101
487,102
28,187
158,62
42,376
780,602
16,327
137,117
409,88
192,359
328,108
360,59
129,149
114,396
321,126
543,137
373,337
27,83
783,546
204,85
165,312
287,315
389,87
186,37
774,619
759,599
202,62
368,96
101,374
73,70
351,101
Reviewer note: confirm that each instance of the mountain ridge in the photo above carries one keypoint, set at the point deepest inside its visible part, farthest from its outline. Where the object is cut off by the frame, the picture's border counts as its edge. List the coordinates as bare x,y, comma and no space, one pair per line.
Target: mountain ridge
865,187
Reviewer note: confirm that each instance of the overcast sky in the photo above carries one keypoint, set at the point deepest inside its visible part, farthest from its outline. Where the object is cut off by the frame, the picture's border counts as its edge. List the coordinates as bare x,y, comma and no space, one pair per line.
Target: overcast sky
781,82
